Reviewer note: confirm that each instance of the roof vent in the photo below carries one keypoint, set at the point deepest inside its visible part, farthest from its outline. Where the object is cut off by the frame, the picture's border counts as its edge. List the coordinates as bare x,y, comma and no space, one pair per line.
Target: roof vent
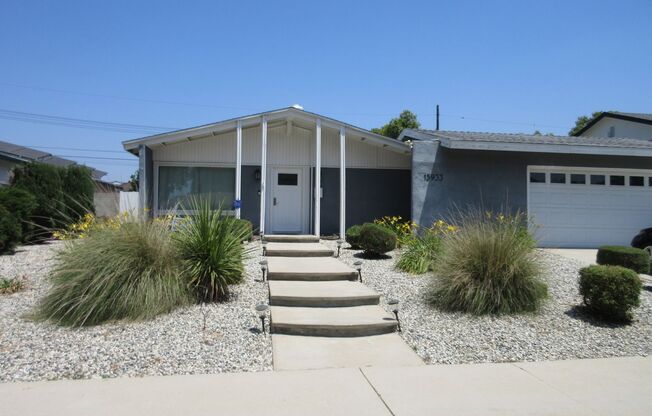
297,106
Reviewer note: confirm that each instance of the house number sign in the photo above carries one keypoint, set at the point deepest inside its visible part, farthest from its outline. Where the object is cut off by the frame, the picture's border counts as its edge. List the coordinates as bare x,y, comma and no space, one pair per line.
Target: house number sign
433,177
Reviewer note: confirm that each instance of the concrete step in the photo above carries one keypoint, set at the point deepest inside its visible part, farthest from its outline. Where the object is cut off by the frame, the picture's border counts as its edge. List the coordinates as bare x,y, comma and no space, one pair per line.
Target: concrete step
350,321
293,352
298,250
289,238
308,269
321,294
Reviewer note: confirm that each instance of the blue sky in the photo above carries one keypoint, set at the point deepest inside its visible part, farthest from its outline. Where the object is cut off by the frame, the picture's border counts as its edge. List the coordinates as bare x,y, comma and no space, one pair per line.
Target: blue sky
503,66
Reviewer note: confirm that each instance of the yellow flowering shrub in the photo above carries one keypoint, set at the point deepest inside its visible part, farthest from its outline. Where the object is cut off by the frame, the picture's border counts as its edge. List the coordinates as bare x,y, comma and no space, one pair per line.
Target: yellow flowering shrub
404,229
87,224
441,227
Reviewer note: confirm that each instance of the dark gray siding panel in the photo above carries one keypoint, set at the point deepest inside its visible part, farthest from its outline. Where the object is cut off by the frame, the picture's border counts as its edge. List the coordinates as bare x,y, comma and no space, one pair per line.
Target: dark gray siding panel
370,194
492,180
250,207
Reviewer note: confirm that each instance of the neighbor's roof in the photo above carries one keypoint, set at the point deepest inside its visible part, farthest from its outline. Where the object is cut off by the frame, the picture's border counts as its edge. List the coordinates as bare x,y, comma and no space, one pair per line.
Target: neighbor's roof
25,154
208,130
644,118
533,142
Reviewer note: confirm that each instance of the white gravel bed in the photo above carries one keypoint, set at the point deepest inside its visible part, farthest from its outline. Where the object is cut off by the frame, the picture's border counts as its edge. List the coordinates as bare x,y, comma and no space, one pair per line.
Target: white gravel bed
556,332
175,343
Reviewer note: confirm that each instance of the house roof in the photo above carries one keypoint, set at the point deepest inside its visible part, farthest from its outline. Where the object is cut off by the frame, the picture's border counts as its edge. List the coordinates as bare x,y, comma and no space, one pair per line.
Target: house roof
644,118
292,113
533,142
24,154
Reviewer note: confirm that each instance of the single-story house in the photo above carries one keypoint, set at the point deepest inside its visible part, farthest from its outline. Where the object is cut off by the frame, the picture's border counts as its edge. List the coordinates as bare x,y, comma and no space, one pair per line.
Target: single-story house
580,191
619,124
13,154
293,171
266,167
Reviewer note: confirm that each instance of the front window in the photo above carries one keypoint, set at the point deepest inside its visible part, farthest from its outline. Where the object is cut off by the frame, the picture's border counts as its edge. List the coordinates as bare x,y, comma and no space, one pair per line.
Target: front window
177,183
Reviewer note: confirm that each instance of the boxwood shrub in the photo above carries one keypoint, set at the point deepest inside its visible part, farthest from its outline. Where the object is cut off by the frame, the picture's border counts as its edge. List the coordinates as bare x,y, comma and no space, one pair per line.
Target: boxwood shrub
629,257
376,240
610,292
353,236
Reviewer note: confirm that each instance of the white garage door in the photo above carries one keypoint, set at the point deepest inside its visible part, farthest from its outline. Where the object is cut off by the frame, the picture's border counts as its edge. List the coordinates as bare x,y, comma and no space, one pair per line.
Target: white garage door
584,207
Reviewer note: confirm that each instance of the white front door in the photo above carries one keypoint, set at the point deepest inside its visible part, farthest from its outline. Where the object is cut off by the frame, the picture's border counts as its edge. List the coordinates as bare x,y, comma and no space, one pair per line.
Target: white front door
286,213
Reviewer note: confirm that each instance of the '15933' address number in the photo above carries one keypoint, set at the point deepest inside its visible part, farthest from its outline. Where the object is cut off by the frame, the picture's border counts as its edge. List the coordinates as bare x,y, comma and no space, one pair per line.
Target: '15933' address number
433,177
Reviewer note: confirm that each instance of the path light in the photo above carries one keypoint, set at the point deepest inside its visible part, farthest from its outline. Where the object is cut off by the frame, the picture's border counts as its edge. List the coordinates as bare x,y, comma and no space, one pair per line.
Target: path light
339,247
264,248
358,267
263,267
262,309
393,303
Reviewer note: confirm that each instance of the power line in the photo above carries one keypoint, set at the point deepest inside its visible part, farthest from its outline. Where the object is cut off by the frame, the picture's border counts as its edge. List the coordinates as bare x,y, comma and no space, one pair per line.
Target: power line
76,149
99,157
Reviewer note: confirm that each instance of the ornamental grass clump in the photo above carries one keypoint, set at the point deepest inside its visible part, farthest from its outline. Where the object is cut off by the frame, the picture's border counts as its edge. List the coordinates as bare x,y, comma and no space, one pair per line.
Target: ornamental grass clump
129,272
421,253
210,245
487,266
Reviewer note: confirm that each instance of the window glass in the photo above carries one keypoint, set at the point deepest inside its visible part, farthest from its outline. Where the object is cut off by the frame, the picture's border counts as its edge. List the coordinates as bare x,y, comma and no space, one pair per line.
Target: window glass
618,180
649,181
288,179
598,180
177,183
636,181
537,177
578,179
557,178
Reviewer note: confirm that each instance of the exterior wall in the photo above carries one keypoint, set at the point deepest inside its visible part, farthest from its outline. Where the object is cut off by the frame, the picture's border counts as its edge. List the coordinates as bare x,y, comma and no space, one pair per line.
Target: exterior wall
107,204
370,194
622,128
488,179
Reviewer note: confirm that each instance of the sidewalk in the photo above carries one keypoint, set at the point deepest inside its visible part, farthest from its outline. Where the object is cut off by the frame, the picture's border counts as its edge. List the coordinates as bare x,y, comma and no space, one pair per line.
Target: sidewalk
612,386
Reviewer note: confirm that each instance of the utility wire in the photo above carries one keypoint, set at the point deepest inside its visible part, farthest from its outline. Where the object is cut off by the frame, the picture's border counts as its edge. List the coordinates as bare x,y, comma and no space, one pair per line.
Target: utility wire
76,149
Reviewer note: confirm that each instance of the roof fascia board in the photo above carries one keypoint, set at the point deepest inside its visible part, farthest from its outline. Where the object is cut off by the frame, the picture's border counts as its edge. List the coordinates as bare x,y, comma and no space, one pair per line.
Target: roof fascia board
546,148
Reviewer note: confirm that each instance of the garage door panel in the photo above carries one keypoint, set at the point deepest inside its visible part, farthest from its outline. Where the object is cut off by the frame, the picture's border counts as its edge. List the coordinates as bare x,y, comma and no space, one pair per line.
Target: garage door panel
571,215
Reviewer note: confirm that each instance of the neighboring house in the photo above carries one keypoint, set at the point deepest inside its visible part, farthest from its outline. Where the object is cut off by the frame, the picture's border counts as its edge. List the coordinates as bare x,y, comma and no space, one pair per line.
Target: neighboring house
581,191
12,155
266,166
617,124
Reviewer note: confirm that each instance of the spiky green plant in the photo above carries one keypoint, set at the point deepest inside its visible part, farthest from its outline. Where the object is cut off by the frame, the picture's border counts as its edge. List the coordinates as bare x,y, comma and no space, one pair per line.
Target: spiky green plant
488,265
420,253
130,272
210,244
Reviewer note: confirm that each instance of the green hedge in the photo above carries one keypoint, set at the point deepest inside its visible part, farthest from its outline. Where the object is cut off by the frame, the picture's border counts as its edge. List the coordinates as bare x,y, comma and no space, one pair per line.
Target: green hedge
353,236
376,240
629,257
610,292
9,231
21,205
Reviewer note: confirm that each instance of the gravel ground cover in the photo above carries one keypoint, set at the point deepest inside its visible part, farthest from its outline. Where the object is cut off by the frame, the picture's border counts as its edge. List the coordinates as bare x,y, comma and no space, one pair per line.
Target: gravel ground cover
176,343
559,331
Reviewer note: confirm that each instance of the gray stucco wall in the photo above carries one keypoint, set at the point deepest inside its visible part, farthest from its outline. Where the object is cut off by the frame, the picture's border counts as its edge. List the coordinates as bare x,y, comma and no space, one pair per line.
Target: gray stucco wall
492,180
370,194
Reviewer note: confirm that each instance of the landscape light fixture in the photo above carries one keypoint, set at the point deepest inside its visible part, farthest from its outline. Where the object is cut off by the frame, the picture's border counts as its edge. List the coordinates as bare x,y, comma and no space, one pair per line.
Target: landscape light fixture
263,267
358,267
339,247
264,248
262,309
393,303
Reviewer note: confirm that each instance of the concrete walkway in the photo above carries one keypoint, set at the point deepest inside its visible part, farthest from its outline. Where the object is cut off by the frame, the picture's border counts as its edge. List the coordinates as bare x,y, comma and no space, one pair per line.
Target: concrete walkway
612,386
321,316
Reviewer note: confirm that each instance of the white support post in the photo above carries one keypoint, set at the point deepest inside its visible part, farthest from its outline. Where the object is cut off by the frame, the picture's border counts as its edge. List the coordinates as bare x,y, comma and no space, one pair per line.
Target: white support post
342,183
263,173
318,178
238,167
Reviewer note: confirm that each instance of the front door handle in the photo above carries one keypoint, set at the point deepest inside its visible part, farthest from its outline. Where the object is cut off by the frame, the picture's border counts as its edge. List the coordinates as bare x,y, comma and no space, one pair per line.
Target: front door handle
274,200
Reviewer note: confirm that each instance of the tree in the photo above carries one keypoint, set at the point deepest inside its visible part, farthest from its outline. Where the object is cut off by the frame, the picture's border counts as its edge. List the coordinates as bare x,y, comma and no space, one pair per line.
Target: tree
406,120
582,121
134,179
78,190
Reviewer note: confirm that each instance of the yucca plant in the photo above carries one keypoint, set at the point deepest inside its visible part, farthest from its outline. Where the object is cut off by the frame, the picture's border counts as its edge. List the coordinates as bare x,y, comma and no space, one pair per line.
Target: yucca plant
488,265
210,244
129,272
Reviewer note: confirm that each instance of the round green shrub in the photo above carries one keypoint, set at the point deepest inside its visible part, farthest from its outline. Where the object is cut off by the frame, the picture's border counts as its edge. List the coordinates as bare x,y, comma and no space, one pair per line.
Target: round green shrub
353,236
376,240
9,231
244,228
488,266
610,292
629,257
21,204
